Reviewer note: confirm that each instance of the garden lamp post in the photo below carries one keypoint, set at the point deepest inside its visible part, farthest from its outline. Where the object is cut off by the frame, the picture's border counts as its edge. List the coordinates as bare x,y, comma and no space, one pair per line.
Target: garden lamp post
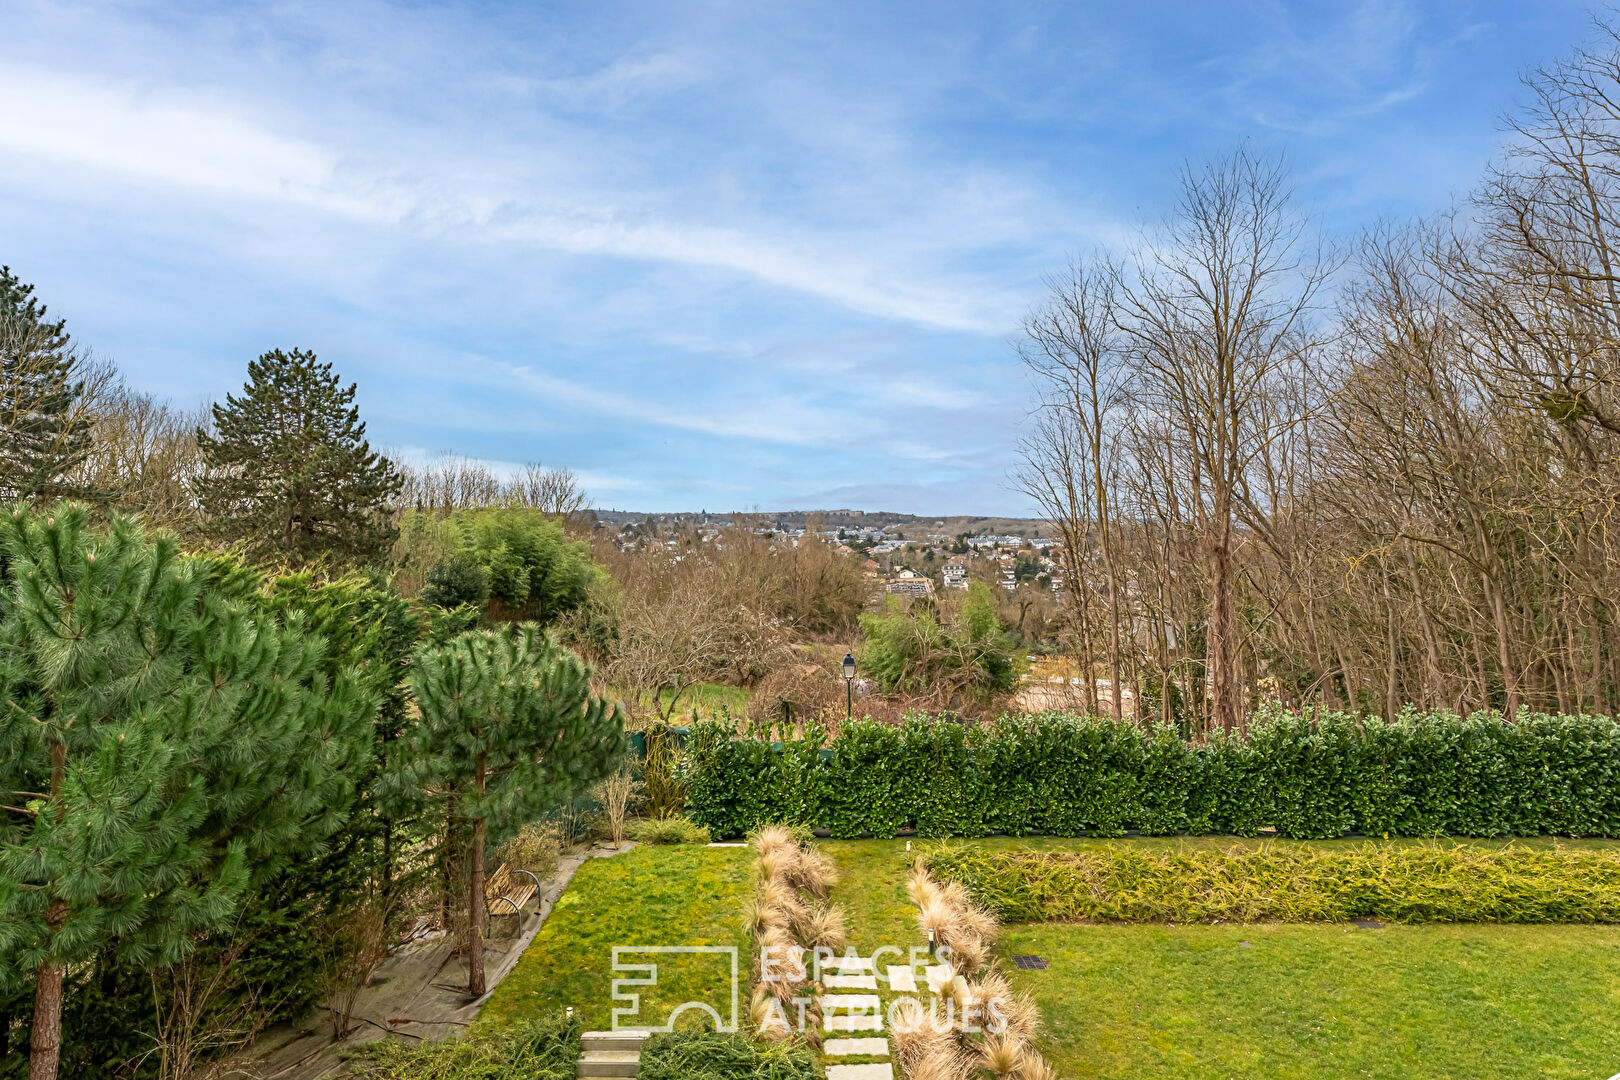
849,685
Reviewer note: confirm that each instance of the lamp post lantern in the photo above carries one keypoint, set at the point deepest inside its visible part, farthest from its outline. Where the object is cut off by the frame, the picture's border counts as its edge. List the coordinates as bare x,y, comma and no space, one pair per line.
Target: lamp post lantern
849,685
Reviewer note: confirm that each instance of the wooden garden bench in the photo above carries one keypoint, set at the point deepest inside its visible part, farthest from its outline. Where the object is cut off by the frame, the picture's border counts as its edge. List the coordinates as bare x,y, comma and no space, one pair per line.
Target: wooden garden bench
504,887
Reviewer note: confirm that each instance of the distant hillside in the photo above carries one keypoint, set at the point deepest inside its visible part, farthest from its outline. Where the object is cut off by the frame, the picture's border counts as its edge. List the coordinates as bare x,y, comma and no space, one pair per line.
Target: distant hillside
846,519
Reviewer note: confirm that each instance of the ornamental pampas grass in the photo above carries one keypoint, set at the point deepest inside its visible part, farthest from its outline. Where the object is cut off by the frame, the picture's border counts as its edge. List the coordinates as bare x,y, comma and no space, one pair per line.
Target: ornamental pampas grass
1001,1056
942,1062
775,838
1034,1067
824,929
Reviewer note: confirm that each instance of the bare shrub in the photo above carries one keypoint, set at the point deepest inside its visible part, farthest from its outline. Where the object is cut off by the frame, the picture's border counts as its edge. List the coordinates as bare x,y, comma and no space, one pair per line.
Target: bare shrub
616,794
536,848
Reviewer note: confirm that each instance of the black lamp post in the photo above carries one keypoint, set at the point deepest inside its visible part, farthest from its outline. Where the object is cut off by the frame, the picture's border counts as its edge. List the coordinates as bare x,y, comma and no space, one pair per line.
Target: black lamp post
849,685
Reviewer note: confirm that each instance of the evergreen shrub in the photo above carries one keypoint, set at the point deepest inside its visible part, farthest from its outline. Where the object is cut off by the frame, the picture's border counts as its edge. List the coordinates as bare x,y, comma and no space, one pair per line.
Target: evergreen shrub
1307,775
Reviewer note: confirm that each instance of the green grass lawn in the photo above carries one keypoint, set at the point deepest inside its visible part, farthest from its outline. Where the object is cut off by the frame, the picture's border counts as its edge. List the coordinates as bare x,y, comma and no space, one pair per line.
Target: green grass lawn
1325,1001
709,699
672,895
1304,1000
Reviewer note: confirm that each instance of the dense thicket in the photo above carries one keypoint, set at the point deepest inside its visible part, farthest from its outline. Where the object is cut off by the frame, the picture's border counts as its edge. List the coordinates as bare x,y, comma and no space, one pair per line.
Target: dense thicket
1303,775
1404,497
963,660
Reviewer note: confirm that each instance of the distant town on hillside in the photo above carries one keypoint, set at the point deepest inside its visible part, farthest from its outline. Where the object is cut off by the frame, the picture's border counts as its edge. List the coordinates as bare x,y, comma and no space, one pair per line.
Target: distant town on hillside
903,526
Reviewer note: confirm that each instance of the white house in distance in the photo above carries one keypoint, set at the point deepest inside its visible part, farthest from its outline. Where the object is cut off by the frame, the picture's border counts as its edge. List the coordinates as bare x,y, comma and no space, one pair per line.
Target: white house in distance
955,572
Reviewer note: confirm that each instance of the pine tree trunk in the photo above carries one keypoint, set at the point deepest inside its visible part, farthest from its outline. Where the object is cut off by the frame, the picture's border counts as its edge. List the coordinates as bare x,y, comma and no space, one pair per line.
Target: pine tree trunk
45,1042
475,898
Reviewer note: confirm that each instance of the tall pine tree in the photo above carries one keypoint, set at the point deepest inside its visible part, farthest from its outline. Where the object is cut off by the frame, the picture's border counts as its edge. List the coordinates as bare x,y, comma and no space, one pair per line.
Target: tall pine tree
163,745
42,440
509,731
289,474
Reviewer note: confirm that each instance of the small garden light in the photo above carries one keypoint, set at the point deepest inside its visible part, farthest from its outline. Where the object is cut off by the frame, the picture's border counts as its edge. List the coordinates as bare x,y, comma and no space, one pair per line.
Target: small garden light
849,685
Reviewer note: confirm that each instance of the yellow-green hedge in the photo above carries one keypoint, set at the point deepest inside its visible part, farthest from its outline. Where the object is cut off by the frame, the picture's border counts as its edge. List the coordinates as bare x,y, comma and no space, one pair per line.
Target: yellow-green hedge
1289,883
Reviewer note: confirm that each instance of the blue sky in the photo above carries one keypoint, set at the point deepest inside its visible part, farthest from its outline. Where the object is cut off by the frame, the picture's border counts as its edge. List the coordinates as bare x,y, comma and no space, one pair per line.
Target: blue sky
718,256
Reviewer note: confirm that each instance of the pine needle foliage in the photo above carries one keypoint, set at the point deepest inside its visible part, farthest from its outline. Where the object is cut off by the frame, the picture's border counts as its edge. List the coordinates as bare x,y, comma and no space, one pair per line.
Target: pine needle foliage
42,439
163,745
289,475
508,732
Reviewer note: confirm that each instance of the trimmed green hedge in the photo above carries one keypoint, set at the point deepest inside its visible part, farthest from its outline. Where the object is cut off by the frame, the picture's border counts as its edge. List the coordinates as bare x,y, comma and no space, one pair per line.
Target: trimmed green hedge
1306,775
1289,883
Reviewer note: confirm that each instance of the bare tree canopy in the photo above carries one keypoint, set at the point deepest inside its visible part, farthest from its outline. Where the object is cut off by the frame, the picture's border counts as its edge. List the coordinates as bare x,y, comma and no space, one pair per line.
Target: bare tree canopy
1406,496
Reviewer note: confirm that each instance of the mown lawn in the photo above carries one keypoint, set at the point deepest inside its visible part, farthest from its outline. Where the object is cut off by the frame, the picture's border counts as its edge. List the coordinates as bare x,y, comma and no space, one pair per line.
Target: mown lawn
1280,1001
674,895
711,700
1326,1001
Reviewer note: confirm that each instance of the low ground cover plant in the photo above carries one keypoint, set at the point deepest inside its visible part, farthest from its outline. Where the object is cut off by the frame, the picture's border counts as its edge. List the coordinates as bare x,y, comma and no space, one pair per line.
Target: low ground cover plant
1288,883
546,1048
1306,775
709,1055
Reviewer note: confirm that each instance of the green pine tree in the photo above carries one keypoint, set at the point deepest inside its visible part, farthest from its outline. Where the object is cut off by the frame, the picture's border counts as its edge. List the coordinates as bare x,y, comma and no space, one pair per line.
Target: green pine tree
164,744
289,474
509,731
41,439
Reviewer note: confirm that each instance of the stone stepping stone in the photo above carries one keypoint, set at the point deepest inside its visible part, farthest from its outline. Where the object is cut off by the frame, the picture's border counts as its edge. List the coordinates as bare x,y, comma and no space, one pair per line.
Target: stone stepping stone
939,976
852,1002
902,979
856,1048
850,964
850,982
882,1070
852,1022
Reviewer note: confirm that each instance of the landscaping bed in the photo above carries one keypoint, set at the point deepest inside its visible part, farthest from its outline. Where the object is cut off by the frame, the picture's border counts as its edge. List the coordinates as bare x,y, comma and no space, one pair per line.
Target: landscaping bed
1288,882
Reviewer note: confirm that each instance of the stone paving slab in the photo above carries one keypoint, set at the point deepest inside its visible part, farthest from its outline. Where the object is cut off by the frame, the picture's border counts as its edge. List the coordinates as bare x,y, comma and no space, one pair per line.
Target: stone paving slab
852,1002
882,1070
938,976
856,1048
850,982
852,1022
902,979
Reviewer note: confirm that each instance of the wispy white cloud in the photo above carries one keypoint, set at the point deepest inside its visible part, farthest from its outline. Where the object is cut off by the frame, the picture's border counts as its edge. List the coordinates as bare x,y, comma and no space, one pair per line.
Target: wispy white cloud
186,141
705,249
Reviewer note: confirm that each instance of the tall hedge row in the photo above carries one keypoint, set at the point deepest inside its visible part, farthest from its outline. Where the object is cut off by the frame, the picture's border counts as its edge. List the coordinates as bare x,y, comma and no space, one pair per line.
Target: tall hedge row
1311,775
